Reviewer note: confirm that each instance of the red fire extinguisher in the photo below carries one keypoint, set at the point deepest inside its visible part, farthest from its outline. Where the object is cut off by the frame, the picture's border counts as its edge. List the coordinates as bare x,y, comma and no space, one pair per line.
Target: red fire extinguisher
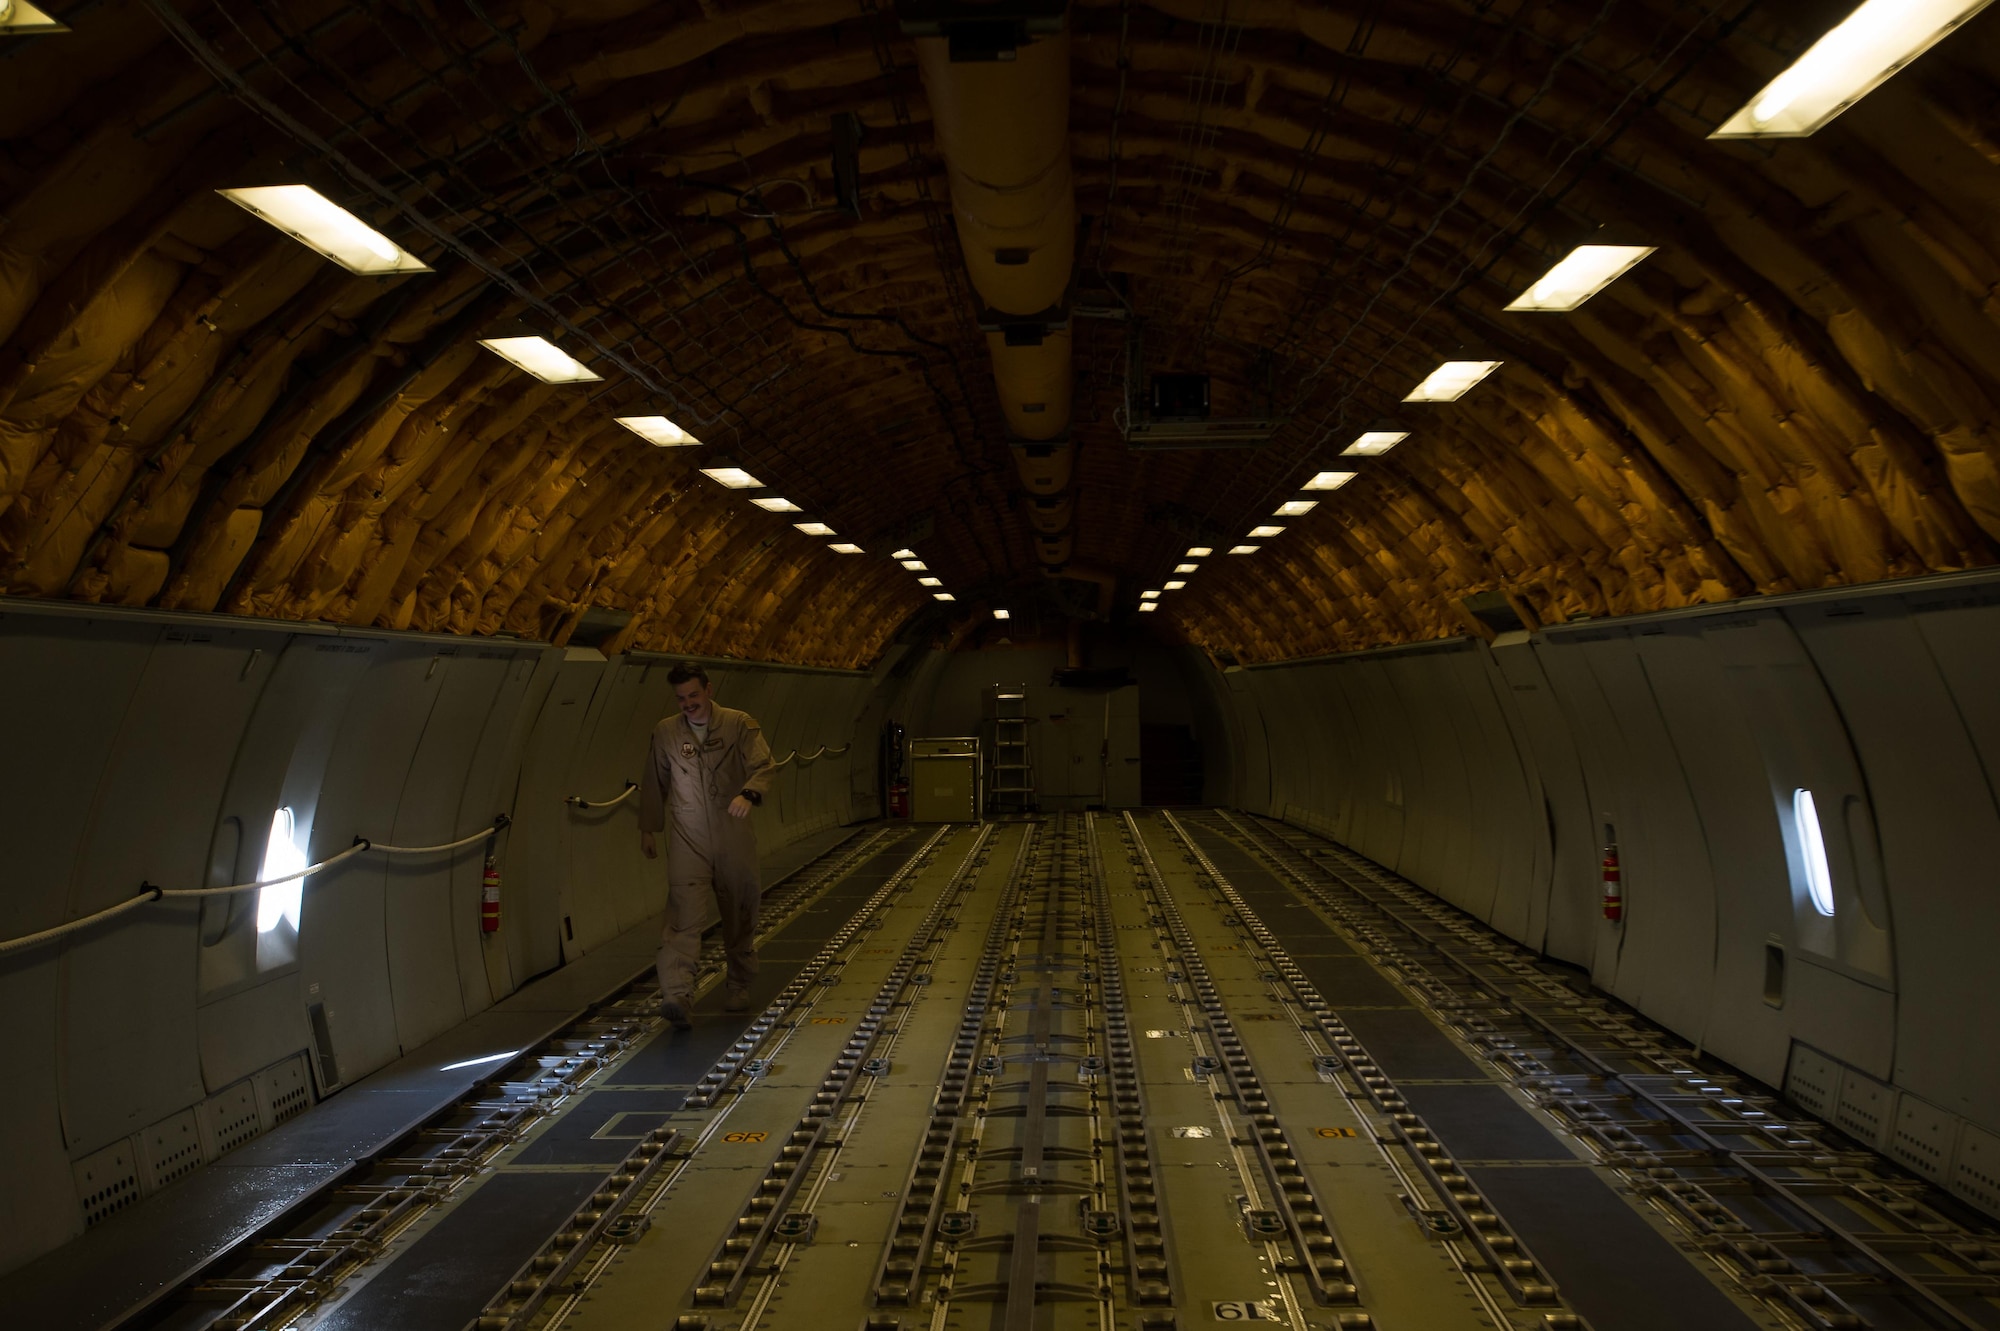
1614,885
899,799
489,898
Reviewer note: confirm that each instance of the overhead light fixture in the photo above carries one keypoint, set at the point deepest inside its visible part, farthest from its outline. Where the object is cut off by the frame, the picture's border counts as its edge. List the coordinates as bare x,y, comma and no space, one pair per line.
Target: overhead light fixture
1296,508
1267,530
528,350
1329,480
1002,614
318,223
19,19
845,548
1577,276
658,430
1147,607
1842,67
1149,596
773,504
1374,443
734,478
1173,586
915,565
1452,380
930,582
1244,549
943,596
1199,552
814,528
902,554
1186,568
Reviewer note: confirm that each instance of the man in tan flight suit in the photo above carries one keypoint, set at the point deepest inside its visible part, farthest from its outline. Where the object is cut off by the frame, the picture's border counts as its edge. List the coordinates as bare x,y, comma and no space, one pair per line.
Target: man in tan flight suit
712,766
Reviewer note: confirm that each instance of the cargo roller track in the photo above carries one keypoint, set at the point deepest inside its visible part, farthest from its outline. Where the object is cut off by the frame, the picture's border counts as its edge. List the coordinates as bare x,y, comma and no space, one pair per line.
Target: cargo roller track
1043,1115
1776,1206
1142,1071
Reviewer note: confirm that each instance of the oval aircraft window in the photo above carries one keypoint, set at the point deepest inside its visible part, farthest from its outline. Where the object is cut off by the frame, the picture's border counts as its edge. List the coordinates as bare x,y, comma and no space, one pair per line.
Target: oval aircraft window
282,855
1812,851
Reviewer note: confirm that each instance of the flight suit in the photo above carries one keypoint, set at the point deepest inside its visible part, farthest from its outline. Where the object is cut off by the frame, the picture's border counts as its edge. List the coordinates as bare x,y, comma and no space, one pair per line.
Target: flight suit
710,855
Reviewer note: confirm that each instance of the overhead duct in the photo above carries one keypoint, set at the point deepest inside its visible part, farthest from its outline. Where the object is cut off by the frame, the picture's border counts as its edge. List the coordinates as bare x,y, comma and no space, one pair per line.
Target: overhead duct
1045,468
998,80
1050,514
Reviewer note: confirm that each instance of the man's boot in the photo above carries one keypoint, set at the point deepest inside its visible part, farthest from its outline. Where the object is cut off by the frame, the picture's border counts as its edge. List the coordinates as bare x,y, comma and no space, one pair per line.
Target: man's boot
736,998
677,1013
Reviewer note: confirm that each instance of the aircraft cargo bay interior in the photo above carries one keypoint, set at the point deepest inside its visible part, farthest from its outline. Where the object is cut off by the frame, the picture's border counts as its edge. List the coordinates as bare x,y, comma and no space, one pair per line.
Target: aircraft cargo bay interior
1000,665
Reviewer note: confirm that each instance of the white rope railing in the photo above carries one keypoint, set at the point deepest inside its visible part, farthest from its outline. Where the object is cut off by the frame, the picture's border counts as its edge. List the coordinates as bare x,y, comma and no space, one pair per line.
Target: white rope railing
821,752
632,787
149,893
579,802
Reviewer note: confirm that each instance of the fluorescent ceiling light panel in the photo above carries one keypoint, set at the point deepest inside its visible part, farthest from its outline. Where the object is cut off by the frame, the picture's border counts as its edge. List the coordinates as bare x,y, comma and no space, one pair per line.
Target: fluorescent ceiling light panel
915,565
1452,380
943,596
1842,67
1173,586
19,19
845,548
734,477
903,554
1577,276
1374,443
1199,552
1244,549
1296,508
320,224
1002,614
814,528
773,504
1330,480
1267,530
1186,568
930,582
1146,607
541,358
1149,596
658,430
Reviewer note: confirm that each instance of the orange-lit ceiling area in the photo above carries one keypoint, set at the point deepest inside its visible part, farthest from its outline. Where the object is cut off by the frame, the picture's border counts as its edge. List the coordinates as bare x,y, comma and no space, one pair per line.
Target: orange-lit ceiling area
1312,205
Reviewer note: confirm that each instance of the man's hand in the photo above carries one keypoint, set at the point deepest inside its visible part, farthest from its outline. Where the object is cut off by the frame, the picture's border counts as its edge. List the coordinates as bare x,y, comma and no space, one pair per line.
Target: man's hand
648,847
739,807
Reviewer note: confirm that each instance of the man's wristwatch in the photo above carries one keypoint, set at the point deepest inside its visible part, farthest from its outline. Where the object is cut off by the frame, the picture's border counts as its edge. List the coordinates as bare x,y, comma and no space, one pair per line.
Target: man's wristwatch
752,796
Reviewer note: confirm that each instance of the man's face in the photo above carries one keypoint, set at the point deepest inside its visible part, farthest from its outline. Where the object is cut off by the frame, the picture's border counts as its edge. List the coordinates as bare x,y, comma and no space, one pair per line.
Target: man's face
694,697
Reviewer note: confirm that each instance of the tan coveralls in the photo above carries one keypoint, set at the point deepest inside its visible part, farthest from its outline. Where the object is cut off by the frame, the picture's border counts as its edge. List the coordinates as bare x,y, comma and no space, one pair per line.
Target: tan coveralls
709,853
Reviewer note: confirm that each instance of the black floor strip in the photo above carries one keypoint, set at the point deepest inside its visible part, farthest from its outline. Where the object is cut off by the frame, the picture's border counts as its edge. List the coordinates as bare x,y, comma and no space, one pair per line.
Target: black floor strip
1484,1123
1616,1270
444,1278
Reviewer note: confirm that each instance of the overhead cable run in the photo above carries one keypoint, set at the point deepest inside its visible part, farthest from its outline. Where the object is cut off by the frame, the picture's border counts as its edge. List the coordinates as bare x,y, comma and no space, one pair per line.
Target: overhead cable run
1671,61
313,219
619,283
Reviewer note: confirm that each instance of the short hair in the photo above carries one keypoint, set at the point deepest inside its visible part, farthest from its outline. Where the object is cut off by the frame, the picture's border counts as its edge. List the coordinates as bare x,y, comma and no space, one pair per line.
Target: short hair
684,672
